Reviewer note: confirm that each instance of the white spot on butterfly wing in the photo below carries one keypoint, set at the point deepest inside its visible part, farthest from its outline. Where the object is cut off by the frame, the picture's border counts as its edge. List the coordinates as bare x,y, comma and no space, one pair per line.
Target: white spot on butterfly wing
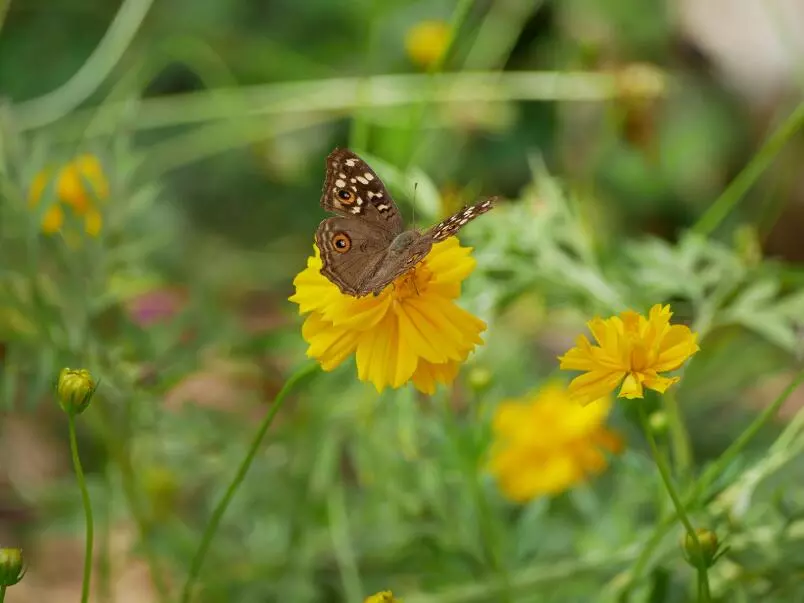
341,175
340,183
368,176
362,180
351,162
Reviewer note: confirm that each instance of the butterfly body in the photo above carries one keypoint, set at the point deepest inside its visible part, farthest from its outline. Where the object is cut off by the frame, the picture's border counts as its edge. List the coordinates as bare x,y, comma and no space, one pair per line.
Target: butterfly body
365,247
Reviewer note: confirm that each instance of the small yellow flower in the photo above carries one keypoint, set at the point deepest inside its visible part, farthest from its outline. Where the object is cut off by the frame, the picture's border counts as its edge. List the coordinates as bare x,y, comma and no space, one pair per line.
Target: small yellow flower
426,41
413,330
547,443
12,567
385,596
631,350
79,185
75,389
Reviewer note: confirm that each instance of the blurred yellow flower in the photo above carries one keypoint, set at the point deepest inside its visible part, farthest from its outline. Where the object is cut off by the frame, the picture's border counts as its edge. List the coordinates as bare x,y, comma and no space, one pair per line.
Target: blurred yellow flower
426,41
631,350
79,185
385,596
413,330
546,443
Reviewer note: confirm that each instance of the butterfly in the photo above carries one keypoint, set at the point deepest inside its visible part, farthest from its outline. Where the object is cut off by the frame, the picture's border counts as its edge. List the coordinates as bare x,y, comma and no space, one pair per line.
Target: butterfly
366,246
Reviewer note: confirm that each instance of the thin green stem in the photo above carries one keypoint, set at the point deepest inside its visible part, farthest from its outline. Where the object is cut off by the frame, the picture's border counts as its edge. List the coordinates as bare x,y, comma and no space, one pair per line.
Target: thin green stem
703,585
728,200
2,594
245,465
664,471
79,474
679,438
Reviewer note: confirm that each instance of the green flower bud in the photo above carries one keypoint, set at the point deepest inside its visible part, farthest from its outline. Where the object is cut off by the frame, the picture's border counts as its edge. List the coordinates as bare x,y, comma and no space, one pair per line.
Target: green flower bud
709,551
11,566
658,422
480,378
75,390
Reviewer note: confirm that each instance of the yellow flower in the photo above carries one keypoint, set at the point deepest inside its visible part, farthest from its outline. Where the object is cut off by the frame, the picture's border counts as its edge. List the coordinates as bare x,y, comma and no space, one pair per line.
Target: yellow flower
385,596
546,443
631,350
79,185
426,41
413,330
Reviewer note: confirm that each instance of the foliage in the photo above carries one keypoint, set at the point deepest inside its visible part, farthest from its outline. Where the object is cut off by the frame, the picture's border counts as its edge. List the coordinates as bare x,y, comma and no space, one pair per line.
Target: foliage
210,123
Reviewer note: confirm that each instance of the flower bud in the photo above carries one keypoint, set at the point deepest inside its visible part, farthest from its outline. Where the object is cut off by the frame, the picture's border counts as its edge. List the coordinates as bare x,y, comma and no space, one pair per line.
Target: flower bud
480,378
75,390
11,567
658,422
708,552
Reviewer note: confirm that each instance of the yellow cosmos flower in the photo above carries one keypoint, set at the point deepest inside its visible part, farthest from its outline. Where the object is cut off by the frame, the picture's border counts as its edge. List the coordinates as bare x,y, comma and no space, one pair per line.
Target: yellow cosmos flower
79,185
631,350
426,41
385,596
412,331
547,443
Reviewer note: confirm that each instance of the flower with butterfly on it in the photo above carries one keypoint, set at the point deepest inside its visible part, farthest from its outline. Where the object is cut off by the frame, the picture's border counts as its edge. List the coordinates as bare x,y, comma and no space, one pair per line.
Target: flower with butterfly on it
412,331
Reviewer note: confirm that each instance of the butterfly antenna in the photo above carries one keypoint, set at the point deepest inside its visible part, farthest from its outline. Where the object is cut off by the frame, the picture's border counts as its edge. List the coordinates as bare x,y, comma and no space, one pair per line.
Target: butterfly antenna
415,186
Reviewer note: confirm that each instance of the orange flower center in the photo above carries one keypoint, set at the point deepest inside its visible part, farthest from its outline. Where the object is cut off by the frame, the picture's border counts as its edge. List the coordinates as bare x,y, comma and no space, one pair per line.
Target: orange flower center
413,282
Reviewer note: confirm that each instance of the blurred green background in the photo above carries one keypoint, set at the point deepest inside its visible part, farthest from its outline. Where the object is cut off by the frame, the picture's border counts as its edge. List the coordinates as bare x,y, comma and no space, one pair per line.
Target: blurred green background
610,128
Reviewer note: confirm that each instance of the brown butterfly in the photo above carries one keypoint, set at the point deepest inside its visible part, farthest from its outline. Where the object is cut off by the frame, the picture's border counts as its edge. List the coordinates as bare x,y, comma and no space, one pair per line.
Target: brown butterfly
366,247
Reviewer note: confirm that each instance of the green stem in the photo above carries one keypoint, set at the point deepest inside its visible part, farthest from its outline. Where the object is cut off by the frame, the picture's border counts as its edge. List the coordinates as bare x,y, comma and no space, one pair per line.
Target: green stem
703,585
724,204
245,465
2,594
79,474
664,471
712,473
679,438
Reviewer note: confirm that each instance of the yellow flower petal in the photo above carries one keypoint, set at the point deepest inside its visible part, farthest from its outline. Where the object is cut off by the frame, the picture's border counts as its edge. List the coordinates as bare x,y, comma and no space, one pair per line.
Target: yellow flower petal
632,386
593,385
330,345
93,222
53,220
428,375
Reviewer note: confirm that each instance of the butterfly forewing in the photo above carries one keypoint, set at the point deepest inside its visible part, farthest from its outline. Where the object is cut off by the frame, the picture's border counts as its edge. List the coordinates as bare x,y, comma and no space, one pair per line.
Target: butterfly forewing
352,188
447,228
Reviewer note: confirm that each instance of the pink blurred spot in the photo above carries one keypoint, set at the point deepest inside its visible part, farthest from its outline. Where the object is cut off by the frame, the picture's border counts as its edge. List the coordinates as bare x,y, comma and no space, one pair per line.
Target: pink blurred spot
155,306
